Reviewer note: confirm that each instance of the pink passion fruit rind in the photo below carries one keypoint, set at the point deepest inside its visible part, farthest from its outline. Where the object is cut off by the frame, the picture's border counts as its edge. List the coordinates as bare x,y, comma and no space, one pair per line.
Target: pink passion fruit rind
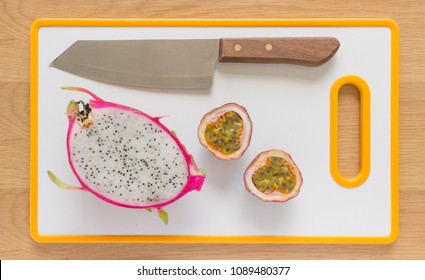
226,131
273,176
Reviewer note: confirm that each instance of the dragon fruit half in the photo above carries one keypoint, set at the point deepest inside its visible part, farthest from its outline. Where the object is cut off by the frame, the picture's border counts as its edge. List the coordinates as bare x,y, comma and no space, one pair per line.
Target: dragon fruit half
126,157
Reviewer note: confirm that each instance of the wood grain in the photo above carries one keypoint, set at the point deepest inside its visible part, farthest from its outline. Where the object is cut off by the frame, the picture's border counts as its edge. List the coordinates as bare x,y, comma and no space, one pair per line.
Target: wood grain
298,51
349,131
16,17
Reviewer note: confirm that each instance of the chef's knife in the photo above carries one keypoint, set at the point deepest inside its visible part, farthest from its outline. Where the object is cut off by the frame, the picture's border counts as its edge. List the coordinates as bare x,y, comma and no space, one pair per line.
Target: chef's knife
184,63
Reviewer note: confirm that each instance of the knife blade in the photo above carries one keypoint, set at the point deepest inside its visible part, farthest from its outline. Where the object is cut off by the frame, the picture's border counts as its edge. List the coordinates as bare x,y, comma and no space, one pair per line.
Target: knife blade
187,63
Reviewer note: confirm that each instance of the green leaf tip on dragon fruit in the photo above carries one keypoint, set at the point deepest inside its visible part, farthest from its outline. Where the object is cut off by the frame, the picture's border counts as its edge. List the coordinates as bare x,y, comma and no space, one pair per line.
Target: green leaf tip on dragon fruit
59,183
126,157
163,215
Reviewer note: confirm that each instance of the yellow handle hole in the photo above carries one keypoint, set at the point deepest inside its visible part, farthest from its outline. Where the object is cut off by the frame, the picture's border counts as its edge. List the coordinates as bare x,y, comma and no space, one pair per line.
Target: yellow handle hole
339,162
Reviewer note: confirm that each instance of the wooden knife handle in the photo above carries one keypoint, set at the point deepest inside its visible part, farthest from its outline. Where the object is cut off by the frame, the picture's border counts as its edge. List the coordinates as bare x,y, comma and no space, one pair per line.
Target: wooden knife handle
300,51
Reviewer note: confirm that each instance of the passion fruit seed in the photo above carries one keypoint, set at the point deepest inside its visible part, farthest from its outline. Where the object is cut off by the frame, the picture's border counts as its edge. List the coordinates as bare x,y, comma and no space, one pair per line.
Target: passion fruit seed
224,134
275,175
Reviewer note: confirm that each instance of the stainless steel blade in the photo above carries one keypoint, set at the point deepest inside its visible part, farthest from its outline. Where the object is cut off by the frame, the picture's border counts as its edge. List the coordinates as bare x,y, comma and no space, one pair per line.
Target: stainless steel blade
148,63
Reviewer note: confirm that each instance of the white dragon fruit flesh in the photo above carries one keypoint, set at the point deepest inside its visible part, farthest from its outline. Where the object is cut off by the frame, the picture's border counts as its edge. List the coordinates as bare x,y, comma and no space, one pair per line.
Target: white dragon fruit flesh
126,157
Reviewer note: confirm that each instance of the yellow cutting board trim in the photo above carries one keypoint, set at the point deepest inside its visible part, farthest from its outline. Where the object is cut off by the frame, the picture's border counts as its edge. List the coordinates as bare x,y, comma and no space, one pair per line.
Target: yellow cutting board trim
364,92
392,25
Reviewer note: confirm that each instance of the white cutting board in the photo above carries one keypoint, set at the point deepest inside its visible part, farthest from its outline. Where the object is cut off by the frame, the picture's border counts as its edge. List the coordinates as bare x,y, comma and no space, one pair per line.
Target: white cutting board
290,109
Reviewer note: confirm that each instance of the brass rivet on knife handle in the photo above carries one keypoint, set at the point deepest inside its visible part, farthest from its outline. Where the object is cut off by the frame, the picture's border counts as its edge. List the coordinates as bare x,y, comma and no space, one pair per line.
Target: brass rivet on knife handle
238,47
307,51
268,47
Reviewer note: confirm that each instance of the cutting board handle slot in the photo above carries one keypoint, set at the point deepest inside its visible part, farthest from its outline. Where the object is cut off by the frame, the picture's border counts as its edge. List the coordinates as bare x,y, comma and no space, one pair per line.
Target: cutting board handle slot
349,131
351,89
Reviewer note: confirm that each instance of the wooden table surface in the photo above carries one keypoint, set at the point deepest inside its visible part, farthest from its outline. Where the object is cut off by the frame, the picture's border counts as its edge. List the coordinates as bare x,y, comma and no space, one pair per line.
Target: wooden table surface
16,18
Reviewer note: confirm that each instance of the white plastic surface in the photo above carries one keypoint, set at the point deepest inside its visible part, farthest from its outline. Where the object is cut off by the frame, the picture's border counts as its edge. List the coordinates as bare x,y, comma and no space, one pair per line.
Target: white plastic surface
289,107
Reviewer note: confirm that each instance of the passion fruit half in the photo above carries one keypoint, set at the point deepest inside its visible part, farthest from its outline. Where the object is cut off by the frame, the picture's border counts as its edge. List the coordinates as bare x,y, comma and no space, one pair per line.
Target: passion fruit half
273,176
226,131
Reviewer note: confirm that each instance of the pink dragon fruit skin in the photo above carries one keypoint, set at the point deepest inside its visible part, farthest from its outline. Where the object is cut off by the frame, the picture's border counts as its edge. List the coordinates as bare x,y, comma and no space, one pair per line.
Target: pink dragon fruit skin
126,157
